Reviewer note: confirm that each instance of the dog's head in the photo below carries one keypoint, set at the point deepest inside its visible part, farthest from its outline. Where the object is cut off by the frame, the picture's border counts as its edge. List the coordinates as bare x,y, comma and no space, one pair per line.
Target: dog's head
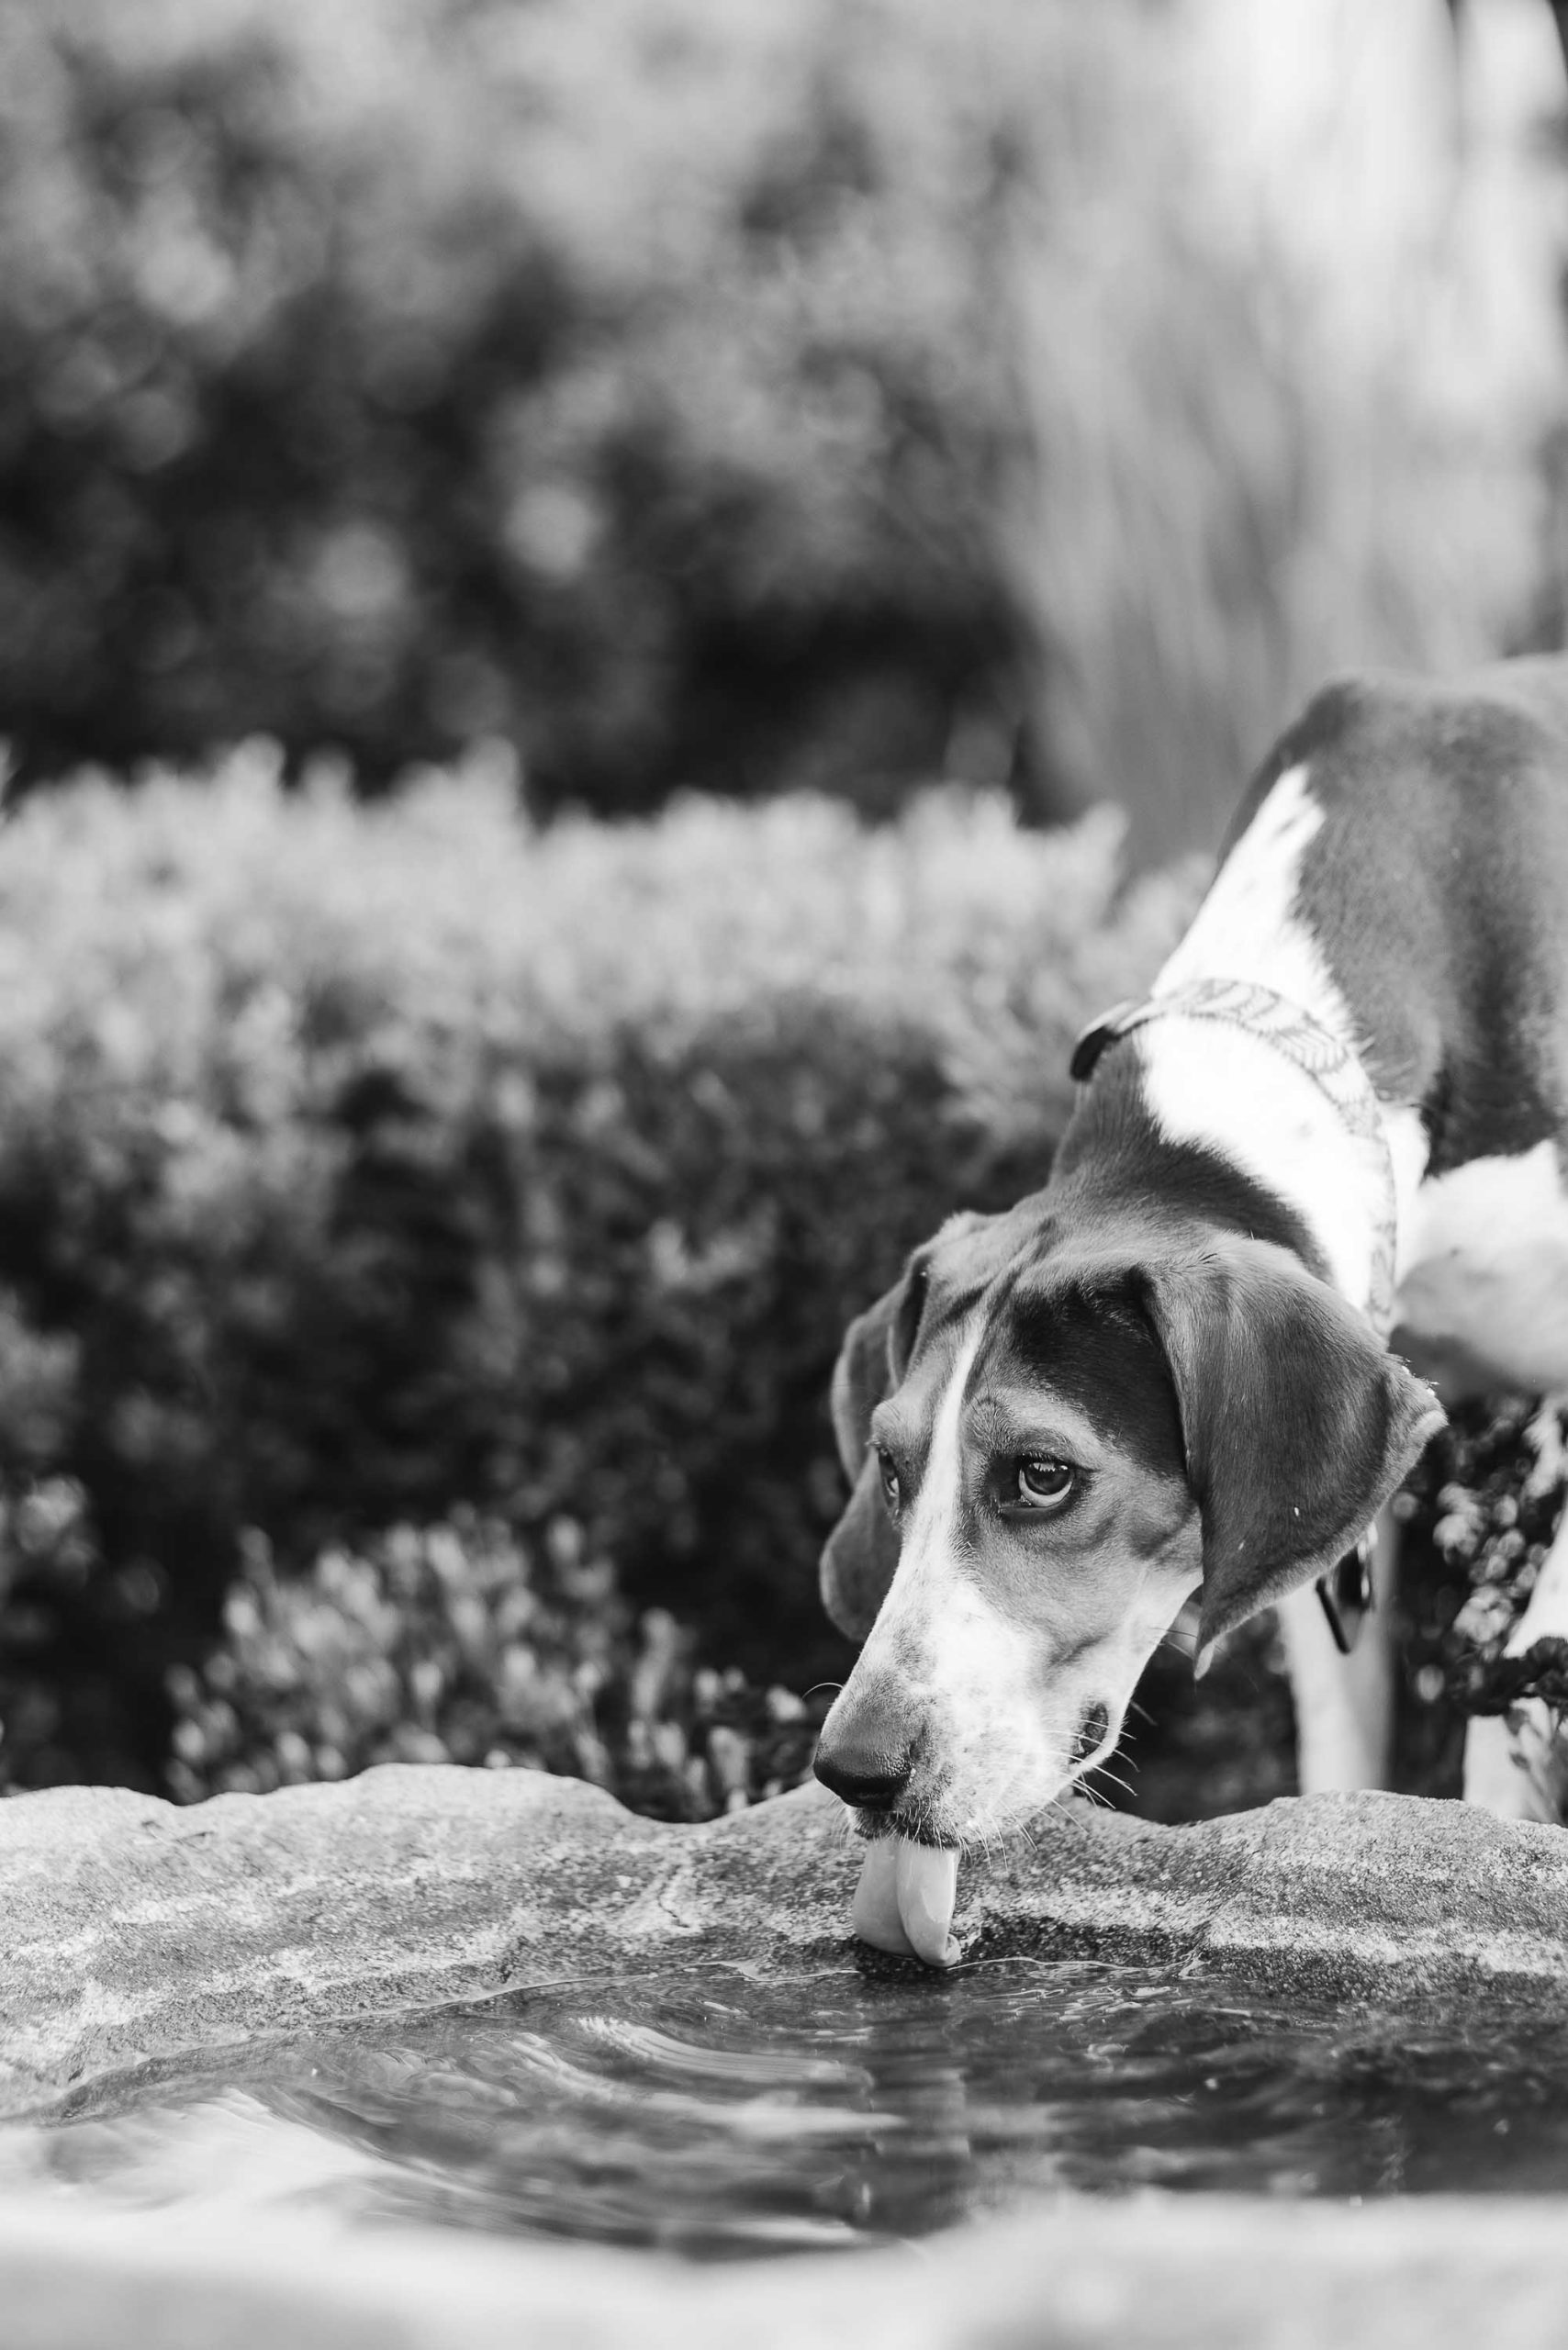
1056,1430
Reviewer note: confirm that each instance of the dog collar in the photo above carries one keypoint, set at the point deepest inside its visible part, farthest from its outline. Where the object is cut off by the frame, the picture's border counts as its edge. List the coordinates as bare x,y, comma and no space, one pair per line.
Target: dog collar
1334,1068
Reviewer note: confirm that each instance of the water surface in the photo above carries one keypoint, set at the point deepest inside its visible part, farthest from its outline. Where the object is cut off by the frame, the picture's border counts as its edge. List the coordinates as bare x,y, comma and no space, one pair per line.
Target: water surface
714,2117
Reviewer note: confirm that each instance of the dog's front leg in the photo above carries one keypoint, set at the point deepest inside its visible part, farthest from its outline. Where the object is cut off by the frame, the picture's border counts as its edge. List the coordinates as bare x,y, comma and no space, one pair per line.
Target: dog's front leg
1344,1705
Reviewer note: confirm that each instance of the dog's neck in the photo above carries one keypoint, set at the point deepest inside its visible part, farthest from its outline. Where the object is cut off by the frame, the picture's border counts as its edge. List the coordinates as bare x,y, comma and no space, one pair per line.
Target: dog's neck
1284,1145
1325,1161
1118,1150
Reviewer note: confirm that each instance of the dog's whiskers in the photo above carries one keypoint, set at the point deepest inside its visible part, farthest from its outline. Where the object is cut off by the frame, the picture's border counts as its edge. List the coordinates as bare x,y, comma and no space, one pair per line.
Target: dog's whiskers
1103,1771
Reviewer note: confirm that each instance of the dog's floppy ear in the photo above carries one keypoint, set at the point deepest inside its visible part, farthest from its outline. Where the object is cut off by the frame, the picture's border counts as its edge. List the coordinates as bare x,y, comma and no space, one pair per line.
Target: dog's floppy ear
862,1552
1296,1422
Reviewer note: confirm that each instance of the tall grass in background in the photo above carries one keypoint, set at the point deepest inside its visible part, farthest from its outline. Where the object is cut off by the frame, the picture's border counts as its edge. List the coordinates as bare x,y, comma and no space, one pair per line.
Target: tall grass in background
1280,289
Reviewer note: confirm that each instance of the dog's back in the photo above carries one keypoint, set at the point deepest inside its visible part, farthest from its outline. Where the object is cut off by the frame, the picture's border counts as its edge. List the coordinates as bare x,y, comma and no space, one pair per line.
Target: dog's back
1436,890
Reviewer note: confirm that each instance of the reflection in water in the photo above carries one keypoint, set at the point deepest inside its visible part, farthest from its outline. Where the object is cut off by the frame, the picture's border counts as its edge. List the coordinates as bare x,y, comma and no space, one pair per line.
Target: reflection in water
714,2117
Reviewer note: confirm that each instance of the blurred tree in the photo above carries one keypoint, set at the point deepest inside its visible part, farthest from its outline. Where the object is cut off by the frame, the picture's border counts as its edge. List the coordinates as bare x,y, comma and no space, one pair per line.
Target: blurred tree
843,395
451,370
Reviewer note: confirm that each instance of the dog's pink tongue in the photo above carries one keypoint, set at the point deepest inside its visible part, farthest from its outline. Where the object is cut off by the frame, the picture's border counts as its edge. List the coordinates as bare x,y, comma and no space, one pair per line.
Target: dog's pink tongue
905,1901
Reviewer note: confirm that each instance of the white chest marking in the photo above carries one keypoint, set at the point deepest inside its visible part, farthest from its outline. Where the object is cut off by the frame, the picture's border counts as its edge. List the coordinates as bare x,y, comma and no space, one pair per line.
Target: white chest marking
1236,1094
1484,1284
1239,1097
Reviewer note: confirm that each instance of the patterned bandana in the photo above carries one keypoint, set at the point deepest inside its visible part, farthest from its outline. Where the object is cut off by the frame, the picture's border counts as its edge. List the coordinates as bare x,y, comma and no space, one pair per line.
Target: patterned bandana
1332,1066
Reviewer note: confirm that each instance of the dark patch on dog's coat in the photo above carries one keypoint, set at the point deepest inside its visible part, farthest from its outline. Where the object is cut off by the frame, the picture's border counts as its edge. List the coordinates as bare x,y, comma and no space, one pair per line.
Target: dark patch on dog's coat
1445,817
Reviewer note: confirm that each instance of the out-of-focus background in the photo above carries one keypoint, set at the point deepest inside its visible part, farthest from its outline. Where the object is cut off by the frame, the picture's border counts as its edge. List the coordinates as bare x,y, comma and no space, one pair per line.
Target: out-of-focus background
615,619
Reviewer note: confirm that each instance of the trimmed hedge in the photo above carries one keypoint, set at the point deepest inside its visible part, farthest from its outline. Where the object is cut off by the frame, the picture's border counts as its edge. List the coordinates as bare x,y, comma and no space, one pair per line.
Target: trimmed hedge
357,1166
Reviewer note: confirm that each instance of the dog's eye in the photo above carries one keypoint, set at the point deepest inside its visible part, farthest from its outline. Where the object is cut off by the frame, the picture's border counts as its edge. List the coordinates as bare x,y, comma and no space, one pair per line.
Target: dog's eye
1044,1482
892,1491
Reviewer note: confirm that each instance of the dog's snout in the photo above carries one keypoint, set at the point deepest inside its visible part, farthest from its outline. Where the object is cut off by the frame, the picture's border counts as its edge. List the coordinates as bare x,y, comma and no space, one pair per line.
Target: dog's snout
866,1753
870,1739
871,1781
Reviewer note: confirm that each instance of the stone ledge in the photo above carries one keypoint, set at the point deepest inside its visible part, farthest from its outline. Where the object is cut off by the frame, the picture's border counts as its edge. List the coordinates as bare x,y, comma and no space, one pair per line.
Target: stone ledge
135,1931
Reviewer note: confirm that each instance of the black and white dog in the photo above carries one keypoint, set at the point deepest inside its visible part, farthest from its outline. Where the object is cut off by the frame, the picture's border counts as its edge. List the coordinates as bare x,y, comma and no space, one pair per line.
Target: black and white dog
1319,1166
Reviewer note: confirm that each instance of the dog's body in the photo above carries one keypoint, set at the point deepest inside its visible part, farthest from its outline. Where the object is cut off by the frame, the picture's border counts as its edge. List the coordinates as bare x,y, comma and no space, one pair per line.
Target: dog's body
1167,1373
1400,869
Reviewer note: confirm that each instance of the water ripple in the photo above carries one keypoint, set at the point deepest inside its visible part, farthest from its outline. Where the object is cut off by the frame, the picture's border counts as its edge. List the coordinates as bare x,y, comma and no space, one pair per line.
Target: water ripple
717,2117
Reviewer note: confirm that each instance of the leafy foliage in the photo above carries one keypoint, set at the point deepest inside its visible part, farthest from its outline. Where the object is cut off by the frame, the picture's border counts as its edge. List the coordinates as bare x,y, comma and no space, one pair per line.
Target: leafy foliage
614,381
405,1168
455,1644
357,1165
1479,1513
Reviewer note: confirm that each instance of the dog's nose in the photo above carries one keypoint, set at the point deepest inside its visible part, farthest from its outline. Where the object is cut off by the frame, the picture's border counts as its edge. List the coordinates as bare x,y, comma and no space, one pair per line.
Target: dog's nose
871,1781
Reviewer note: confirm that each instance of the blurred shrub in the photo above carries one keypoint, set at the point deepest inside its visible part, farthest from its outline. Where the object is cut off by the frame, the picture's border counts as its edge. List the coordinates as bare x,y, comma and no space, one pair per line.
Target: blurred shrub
359,1164
725,396
612,379
453,1644
75,1665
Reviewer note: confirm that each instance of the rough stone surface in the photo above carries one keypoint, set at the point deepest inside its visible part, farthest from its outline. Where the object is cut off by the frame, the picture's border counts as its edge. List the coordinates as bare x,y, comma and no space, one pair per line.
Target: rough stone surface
134,1930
